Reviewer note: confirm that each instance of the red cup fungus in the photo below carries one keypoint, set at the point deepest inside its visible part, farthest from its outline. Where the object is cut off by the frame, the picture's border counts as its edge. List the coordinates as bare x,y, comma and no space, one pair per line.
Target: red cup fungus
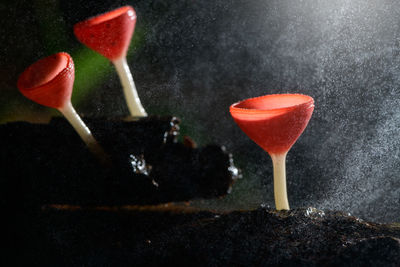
110,34
275,122
49,82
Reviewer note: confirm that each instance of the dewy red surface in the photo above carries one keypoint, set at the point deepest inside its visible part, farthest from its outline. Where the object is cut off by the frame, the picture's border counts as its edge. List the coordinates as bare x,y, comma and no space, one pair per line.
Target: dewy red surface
108,34
49,81
274,122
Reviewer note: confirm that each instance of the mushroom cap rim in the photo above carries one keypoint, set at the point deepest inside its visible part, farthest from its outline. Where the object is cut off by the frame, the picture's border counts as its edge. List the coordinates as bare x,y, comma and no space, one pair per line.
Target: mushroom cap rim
234,109
59,75
106,16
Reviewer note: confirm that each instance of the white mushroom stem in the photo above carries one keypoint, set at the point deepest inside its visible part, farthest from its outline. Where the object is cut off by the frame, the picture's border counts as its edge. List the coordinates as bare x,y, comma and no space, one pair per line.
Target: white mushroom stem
131,96
80,127
280,192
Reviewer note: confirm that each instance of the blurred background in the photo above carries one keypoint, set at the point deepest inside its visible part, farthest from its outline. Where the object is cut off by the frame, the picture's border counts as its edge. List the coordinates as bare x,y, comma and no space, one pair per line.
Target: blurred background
193,59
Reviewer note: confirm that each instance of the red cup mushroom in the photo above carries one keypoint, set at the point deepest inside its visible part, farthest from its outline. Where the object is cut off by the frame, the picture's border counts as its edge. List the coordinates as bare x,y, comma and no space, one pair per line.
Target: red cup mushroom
110,34
49,82
275,122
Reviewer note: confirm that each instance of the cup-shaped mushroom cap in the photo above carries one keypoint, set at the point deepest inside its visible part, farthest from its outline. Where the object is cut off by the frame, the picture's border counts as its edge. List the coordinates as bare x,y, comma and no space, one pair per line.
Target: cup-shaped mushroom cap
274,122
108,34
49,81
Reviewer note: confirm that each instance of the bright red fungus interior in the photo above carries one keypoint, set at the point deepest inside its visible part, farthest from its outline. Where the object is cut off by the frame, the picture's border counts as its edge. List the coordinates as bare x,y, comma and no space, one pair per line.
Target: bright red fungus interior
43,71
274,122
49,81
273,102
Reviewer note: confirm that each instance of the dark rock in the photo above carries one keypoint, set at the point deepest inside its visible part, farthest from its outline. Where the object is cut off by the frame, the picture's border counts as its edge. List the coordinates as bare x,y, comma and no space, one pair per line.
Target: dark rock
50,164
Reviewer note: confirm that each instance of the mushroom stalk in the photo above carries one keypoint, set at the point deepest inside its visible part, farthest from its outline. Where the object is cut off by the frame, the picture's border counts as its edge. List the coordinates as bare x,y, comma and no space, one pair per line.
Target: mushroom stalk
280,192
80,127
132,98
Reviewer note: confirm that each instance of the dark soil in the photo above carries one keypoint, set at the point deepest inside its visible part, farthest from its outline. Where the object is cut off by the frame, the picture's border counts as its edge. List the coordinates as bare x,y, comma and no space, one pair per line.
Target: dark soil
72,236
